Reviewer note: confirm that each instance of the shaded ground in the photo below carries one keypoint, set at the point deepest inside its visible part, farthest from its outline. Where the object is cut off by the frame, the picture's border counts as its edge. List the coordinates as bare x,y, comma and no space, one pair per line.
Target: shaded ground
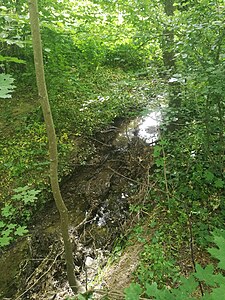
98,195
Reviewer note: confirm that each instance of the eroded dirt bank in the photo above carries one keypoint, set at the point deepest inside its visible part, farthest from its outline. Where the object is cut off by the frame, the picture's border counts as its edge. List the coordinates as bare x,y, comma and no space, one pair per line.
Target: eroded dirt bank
98,195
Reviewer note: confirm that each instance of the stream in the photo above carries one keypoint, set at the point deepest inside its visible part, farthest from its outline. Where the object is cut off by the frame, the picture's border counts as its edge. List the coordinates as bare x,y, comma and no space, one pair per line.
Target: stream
98,195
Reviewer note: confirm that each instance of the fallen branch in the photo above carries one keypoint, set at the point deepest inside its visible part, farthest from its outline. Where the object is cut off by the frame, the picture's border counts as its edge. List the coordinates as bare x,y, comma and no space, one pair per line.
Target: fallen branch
128,178
35,283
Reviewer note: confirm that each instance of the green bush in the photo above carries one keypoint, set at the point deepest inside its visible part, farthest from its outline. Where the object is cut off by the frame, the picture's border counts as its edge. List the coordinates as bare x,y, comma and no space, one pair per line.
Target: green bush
125,56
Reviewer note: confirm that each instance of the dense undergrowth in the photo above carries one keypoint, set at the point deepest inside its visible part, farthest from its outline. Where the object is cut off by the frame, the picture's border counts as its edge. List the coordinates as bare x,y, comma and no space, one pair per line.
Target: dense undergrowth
96,74
118,95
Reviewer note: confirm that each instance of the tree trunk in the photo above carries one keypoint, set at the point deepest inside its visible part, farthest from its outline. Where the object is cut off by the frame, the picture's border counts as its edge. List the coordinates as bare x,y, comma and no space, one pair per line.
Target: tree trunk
170,65
168,38
52,141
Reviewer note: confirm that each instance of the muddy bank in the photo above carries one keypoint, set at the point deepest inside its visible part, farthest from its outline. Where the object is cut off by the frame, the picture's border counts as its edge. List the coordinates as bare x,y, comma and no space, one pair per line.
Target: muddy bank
98,195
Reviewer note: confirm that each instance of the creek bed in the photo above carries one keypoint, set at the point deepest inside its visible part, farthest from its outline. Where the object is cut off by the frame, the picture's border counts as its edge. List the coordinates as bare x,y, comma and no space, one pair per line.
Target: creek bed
98,195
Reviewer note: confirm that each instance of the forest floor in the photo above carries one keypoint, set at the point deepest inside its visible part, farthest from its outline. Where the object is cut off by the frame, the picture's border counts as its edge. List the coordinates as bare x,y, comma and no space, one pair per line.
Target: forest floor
108,236
98,195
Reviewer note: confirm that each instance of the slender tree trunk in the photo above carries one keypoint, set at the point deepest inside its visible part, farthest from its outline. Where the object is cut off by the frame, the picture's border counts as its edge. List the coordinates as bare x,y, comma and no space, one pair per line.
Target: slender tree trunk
168,54
52,141
168,38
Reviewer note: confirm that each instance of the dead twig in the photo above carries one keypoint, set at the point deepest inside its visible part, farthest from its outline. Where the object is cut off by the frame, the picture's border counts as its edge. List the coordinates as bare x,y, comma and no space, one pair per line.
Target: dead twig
38,279
128,178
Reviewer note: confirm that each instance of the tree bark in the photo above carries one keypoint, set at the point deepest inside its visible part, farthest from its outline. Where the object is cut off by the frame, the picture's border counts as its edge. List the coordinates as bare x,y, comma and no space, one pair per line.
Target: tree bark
168,38
52,141
170,64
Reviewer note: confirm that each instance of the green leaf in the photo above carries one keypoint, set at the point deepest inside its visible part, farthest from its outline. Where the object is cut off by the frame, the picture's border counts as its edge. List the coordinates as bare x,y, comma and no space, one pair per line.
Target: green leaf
219,183
21,230
209,176
159,162
133,292
25,194
188,285
11,226
218,293
21,189
29,199
18,197
8,210
219,253
81,297
157,151
207,275
12,59
153,291
34,192
163,142
5,240
7,231
2,224
6,86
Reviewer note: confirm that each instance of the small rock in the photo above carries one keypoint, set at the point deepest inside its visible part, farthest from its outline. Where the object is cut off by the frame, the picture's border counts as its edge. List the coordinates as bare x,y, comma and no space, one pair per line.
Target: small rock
89,261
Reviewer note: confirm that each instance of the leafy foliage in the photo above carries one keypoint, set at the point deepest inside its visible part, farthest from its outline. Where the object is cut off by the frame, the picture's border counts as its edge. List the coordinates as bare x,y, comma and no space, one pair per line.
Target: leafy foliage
218,253
16,213
209,275
133,292
110,57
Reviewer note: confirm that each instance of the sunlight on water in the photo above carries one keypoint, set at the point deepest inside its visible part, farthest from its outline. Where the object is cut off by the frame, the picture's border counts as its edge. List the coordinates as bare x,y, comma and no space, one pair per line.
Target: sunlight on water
148,129
145,128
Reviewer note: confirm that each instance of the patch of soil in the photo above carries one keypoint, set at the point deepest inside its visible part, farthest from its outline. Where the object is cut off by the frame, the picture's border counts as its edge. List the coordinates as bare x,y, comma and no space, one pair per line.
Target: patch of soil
119,275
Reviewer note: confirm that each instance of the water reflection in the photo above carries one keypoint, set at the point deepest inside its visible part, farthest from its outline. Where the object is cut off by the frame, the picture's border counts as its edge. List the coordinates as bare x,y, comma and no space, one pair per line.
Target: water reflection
144,127
148,128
